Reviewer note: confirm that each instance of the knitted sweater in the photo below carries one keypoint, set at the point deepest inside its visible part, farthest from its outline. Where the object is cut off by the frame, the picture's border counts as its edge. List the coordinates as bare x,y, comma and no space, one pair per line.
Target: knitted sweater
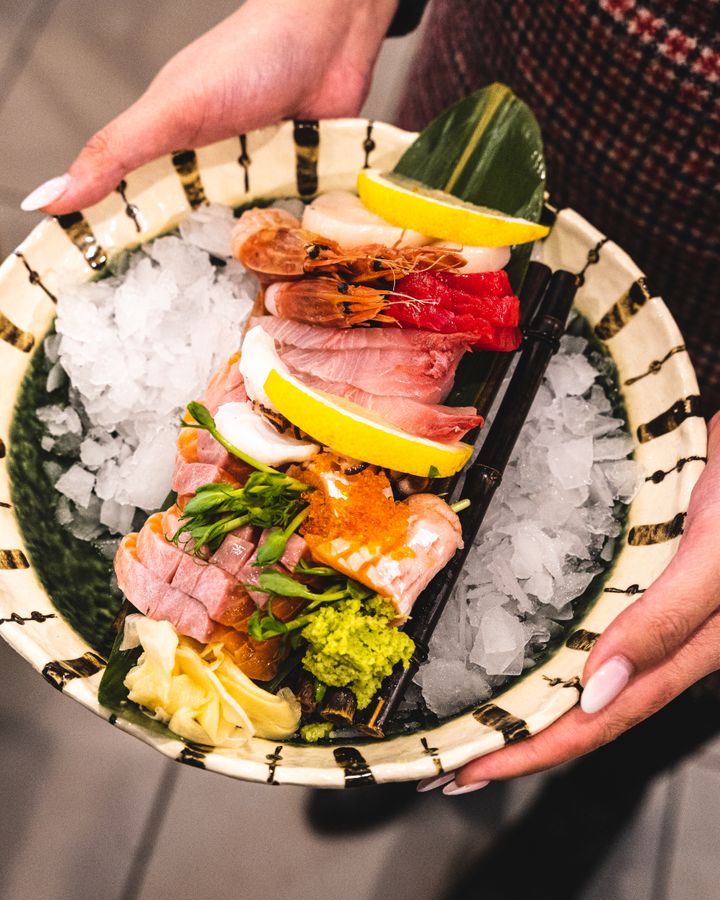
627,95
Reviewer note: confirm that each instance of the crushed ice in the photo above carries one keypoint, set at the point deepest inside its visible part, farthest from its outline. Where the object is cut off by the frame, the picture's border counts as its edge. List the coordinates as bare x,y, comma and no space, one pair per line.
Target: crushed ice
551,528
135,346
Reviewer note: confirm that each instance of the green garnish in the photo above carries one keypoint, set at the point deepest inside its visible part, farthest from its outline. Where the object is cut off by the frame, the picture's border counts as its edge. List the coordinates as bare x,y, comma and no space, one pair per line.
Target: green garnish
265,500
460,505
273,547
316,731
320,691
264,626
433,472
268,499
347,630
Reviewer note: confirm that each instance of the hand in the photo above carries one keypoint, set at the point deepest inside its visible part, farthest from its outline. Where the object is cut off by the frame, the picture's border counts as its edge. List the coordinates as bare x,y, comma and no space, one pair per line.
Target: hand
653,651
270,60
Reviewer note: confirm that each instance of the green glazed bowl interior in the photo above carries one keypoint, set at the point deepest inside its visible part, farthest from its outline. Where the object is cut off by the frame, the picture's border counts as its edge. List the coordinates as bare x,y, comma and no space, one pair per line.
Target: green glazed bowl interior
657,383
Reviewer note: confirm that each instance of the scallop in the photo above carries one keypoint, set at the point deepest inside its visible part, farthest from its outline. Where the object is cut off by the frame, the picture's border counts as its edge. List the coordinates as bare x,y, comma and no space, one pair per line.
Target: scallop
342,217
479,259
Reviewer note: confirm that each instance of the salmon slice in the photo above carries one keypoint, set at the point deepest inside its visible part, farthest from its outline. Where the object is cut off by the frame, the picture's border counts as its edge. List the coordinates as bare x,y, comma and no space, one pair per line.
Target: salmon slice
432,537
259,660
158,599
154,549
227,380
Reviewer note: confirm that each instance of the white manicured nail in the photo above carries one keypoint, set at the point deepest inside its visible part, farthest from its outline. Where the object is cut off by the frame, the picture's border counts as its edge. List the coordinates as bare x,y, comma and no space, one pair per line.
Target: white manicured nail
453,790
605,684
429,784
46,193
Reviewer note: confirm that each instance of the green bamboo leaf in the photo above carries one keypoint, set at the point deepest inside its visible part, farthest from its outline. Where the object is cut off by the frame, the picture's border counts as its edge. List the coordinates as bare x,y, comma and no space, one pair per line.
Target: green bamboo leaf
486,149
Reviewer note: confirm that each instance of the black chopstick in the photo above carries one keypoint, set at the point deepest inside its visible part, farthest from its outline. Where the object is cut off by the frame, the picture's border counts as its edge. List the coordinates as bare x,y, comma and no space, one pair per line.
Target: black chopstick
542,339
491,368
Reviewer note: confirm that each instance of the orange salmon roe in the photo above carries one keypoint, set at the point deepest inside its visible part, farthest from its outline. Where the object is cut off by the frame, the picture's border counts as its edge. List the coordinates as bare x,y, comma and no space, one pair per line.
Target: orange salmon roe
364,511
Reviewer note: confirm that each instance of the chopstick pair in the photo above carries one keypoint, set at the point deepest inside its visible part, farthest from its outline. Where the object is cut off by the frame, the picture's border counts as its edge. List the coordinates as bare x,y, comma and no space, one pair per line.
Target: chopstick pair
546,302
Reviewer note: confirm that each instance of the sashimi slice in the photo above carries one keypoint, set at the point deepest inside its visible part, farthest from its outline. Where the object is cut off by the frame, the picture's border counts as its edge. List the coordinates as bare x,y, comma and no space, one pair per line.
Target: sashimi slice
225,600
429,420
313,337
190,474
442,298
235,551
433,535
426,376
156,598
226,381
155,551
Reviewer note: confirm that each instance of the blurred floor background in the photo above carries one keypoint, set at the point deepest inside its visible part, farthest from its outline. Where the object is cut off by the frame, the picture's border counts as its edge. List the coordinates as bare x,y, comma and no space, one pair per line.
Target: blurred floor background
88,812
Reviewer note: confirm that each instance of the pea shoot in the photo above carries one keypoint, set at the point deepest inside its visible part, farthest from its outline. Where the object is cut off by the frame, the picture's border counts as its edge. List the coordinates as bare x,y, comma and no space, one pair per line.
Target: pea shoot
268,499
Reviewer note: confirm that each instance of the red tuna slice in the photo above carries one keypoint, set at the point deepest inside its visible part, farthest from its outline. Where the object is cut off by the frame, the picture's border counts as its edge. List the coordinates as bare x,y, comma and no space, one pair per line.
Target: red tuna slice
249,576
479,284
219,592
313,337
426,376
190,474
233,553
213,453
156,598
295,549
428,420
438,301
155,551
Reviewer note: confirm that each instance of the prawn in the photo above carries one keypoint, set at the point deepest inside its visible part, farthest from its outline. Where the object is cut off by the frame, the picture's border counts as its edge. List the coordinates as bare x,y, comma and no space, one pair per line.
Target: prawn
282,250
375,262
329,302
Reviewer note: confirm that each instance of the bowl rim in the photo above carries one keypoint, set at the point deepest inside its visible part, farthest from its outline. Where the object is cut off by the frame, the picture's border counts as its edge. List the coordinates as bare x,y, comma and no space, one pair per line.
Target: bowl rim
302,146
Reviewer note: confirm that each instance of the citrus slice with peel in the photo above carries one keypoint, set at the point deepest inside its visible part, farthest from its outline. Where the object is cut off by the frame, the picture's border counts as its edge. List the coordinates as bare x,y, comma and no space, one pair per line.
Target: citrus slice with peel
353,431
409,204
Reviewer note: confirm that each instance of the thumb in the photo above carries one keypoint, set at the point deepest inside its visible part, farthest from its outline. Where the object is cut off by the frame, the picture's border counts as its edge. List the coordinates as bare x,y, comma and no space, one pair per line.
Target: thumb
141,133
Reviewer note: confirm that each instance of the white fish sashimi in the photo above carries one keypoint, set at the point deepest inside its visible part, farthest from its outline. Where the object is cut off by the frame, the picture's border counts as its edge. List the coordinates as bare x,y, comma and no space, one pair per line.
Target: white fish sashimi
424,376
314,337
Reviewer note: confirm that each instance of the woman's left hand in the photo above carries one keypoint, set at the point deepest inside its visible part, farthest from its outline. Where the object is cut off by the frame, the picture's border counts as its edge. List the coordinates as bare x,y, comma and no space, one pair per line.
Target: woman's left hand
653,651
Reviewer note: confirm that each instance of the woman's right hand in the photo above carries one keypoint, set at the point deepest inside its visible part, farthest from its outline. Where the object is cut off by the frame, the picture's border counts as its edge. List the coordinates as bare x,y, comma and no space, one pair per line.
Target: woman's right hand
270,60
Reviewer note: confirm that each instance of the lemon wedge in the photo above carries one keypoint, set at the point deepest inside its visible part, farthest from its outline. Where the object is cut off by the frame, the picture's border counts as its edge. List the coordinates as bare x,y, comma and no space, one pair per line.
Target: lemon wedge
352,431
410,204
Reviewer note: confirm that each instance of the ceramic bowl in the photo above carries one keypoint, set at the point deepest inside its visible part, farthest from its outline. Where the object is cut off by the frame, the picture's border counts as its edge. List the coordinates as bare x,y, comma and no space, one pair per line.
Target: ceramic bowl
658,387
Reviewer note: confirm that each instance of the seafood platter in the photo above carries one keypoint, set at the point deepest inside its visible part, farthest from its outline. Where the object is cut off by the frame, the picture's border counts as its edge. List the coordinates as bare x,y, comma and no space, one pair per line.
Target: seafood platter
309,474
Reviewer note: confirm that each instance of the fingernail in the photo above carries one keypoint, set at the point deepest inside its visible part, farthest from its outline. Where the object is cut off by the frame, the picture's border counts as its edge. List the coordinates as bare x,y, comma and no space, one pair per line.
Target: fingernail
46,193
605,684
452,790
429,784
